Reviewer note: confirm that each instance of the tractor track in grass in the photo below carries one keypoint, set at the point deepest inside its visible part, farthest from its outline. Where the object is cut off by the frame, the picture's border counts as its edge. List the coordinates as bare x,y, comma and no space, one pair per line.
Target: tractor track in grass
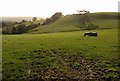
66,67
36,72
84,71
71,73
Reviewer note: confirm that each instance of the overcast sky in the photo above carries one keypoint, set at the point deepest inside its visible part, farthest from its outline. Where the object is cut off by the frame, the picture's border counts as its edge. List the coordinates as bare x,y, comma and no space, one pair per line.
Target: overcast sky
46,8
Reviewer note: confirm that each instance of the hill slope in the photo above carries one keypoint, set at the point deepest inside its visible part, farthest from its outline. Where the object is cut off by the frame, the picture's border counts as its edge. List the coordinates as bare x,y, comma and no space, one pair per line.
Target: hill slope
104,20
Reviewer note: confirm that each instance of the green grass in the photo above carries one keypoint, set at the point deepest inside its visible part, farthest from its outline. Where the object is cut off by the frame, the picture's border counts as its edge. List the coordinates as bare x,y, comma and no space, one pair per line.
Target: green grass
34,22
0,30
66,52
72,23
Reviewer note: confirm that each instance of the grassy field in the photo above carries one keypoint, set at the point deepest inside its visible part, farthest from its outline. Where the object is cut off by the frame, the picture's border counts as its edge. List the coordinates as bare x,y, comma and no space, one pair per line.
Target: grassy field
65,55
72,23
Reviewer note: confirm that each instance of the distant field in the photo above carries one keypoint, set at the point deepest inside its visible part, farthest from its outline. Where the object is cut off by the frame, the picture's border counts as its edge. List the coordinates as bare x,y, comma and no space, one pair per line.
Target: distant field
65,55
105,20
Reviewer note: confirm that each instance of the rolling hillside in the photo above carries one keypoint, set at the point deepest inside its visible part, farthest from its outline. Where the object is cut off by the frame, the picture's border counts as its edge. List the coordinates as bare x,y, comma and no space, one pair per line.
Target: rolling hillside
58,56
105,20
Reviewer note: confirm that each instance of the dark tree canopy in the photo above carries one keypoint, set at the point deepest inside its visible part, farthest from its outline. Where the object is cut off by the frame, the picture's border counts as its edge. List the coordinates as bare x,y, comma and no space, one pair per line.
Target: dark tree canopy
53,18
19,28
34,19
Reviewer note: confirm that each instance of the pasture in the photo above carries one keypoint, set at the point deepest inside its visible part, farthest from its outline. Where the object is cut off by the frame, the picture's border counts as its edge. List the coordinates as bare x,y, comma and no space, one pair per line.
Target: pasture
108,20
64,55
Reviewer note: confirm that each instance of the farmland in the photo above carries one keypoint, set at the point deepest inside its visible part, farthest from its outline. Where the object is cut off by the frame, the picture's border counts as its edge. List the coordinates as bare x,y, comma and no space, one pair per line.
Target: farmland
63,55
60,50
105,20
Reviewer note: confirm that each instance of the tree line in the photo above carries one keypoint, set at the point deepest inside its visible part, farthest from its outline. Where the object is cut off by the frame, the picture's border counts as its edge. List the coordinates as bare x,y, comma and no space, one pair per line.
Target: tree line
21,27
18,29
53,18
